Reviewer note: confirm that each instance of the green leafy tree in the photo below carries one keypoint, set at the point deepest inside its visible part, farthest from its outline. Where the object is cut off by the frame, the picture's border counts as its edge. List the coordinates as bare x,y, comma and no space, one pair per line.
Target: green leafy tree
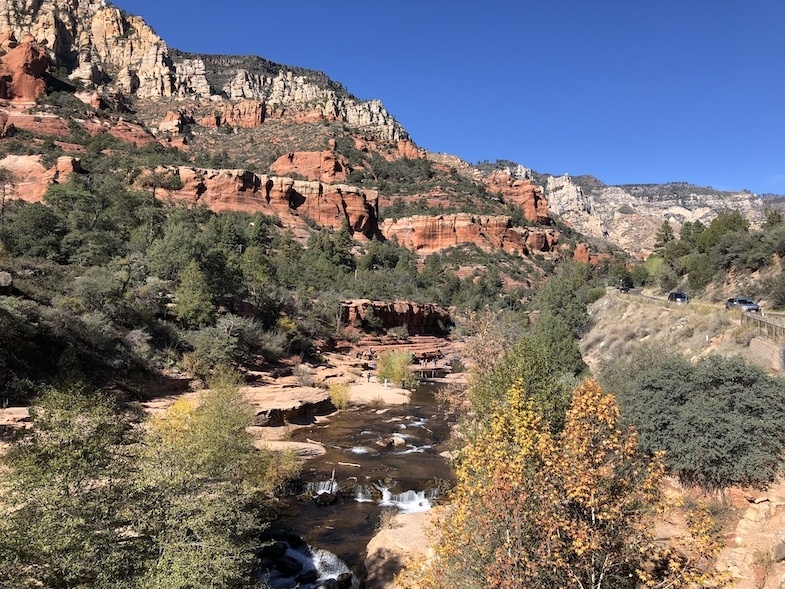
727,221
555,336
664,236
527,360
37,231
63,513
691,231
203,489
7,184
565,295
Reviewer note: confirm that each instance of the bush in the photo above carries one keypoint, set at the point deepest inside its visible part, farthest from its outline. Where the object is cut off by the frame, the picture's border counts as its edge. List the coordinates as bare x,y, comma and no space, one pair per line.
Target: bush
595,294
721,422
339,394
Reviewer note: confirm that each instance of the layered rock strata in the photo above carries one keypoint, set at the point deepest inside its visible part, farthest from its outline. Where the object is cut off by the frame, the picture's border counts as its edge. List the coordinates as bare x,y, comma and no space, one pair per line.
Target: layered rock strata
630,216
428,234
329,205
99,45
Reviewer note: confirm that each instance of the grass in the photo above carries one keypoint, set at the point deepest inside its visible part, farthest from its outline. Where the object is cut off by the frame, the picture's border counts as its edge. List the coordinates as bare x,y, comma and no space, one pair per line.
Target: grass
621,322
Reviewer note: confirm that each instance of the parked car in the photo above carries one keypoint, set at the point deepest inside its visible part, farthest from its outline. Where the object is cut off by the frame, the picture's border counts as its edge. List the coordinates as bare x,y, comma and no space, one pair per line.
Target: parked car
678,298
742,303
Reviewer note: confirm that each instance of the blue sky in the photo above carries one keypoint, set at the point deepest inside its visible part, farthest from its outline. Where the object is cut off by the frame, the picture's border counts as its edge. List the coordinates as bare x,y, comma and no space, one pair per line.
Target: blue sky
625,90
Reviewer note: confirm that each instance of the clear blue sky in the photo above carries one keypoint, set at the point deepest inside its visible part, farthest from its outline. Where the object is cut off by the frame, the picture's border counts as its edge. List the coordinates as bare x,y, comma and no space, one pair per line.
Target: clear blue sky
625,90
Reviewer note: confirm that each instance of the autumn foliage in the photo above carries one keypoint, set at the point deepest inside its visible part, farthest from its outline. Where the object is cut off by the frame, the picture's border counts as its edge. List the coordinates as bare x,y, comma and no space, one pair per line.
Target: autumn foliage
574,509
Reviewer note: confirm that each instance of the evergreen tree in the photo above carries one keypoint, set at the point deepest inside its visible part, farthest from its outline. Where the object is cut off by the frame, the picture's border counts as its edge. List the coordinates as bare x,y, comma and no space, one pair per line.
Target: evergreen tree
663,237
193,299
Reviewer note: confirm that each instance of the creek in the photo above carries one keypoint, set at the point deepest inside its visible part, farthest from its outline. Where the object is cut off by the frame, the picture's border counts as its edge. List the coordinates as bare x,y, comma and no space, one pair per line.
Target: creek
376,458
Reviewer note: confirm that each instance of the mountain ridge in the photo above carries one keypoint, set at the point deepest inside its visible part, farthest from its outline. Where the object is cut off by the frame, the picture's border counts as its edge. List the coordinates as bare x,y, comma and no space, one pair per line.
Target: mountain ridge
94,45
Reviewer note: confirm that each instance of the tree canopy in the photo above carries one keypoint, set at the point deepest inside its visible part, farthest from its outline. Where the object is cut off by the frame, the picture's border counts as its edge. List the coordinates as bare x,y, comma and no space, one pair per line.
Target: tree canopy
721,421
576,509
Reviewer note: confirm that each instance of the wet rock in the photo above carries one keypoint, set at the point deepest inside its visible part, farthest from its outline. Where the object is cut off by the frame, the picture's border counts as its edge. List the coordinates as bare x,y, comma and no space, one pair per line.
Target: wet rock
394,441
309,576
325,499
288,566
274,550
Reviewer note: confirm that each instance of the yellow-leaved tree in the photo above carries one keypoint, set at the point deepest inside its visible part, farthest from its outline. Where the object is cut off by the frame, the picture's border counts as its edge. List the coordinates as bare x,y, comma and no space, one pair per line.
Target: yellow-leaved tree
574,509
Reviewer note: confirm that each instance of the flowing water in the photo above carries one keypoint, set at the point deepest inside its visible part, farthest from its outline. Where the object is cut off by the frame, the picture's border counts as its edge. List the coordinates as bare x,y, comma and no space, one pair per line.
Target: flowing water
376,459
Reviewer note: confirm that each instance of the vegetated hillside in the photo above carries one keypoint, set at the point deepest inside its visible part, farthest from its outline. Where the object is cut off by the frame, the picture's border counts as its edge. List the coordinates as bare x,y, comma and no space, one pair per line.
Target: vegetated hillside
621,322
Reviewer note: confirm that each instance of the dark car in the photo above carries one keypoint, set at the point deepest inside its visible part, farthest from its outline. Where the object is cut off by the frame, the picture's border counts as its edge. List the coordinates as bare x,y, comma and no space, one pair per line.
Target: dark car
678,297
742,303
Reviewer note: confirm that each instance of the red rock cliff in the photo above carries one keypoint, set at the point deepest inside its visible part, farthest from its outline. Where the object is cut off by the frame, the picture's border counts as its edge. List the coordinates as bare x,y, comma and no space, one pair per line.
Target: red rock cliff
523,194
329,205
428,234
419,319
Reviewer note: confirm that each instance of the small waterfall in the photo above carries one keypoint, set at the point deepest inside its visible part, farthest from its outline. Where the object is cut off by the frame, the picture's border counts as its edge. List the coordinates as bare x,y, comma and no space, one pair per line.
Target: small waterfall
314,564
408,501
322,487
363,495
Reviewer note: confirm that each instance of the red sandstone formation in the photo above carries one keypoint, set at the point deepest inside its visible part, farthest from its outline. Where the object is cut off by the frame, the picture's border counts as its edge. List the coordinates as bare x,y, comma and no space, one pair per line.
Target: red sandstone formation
583,253
329,205
42,124
246,114
428,234
32,178
404,149
22,71
321,166
522,193
419,319
131,133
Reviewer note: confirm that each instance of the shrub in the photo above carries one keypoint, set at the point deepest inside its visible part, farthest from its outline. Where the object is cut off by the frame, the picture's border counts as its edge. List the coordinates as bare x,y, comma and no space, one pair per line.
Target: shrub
595,294
339,394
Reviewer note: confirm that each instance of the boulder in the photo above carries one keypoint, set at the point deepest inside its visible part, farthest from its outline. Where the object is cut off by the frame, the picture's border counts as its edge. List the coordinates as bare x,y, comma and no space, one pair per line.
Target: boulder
6,283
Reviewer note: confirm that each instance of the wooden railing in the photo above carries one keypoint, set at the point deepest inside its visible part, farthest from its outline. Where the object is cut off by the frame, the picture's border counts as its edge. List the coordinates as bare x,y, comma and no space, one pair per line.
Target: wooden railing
771,327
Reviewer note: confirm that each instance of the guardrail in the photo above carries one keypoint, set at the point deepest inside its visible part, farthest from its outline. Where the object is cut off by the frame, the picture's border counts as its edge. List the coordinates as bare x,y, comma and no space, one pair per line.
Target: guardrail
772,328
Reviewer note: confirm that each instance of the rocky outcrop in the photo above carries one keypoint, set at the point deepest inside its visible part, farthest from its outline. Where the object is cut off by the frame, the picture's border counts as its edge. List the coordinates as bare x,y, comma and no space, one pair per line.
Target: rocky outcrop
32,178
427,234
131,133
629,216
522,193
419,319
324,166
329,205
22,70
13,118
95,42
247,114
101,46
